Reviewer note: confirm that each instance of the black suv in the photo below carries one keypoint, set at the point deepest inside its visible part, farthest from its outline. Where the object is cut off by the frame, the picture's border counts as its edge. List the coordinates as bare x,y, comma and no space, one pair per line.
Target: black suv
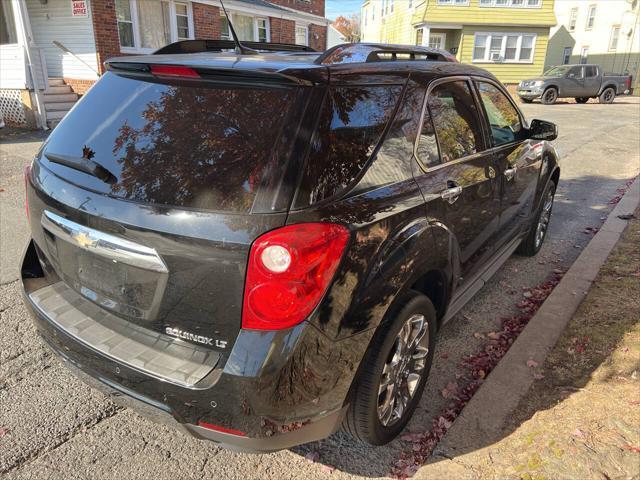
261,248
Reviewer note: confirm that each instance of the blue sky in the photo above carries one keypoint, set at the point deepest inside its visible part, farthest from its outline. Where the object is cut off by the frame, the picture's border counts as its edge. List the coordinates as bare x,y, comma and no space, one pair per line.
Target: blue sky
335,8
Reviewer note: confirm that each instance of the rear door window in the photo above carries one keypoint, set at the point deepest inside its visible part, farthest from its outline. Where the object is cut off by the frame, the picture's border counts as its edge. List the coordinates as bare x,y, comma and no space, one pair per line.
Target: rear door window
453,114
590,71
350,126
186,146
392,163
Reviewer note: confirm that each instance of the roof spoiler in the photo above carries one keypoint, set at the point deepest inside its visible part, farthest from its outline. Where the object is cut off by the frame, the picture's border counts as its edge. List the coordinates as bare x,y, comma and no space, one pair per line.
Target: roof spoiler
374,52
198,46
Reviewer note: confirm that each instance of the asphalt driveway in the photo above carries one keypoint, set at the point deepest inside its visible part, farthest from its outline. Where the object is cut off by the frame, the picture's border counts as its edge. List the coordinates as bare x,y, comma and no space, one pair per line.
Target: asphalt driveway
52,426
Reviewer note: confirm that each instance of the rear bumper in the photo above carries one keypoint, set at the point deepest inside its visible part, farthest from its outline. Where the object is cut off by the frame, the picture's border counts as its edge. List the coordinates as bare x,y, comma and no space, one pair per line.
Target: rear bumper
237,397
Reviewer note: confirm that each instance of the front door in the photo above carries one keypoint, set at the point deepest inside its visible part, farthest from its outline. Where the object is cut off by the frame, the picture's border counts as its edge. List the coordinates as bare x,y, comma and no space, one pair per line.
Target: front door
518,159
458,176
573,82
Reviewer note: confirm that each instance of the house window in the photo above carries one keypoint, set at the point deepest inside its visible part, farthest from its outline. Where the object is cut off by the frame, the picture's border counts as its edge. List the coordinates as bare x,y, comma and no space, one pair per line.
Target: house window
504,47
436,40
248,28
479,47
613,41
262,29
225,33
391,6
182,21
591,17
453,2
573,18
419,36
566,55
7,24
510,3
302,35
146,25
584,54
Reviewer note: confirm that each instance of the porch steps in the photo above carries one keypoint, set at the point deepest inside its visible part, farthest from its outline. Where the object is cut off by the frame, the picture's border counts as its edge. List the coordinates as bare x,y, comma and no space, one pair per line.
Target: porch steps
59,98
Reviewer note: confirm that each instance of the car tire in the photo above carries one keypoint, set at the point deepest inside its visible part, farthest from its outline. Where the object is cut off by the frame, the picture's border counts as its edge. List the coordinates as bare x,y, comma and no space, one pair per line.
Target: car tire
549,96
532,243
367,419
582,99
608,95
526,100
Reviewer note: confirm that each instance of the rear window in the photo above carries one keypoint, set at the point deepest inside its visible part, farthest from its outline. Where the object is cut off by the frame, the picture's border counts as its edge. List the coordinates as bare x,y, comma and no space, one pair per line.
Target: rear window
350,125
185,146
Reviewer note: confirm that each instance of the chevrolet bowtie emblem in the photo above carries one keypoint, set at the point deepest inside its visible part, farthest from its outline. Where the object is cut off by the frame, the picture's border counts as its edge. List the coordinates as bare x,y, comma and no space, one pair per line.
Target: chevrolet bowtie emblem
84,240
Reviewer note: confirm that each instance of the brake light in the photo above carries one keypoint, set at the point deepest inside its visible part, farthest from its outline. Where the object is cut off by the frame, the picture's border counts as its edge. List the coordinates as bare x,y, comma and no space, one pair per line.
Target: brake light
27,174
216,428
289,271
173,71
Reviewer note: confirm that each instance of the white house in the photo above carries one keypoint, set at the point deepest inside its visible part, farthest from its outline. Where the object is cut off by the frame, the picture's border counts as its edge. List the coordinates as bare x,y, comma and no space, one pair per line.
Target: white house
52,51
335,37
605,32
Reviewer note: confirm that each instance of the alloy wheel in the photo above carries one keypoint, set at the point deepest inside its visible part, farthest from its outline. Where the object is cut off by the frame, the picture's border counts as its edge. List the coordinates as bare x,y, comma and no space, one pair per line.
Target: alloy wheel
403,370
608,95
550,95
545,217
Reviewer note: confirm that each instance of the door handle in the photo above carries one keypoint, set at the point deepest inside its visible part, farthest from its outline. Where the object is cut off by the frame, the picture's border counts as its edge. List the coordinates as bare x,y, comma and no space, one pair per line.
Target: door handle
451,194
509,173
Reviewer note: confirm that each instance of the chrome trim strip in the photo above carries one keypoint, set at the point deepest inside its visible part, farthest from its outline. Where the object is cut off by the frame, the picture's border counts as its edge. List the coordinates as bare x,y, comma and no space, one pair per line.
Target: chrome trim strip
103,244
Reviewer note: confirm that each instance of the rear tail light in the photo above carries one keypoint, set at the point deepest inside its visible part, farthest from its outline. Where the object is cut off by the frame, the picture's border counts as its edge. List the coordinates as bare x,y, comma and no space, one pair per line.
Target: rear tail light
629,82
27,174
174,71
289,271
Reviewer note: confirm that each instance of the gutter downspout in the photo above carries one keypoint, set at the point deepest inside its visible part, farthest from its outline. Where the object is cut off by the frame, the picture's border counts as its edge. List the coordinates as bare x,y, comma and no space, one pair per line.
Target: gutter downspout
20,8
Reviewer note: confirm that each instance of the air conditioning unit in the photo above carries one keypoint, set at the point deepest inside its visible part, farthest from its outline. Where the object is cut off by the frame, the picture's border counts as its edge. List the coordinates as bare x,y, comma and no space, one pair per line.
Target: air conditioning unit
495,57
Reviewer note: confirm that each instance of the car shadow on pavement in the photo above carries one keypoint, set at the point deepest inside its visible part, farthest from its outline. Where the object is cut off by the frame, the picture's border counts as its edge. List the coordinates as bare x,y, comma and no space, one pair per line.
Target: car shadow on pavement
342,452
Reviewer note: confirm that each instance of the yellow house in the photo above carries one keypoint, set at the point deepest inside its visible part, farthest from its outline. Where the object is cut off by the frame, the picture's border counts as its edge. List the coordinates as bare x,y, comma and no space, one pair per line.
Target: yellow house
506,37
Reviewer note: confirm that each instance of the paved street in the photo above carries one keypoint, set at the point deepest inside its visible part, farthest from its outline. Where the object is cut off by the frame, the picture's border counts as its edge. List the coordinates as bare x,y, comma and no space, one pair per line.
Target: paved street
52,426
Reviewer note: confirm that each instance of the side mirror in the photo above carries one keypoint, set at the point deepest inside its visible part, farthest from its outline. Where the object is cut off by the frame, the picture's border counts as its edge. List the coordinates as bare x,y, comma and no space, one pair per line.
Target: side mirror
543,130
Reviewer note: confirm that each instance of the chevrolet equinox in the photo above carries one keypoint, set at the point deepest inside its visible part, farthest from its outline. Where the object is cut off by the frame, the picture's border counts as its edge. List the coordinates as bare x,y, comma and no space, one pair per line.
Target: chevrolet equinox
260,249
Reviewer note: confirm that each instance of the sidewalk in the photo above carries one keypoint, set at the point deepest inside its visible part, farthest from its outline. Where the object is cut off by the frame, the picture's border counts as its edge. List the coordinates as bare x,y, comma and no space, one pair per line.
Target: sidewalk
581,417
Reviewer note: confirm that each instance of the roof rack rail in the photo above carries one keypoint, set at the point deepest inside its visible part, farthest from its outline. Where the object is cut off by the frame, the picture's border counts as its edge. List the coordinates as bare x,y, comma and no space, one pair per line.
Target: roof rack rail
197,46
376,52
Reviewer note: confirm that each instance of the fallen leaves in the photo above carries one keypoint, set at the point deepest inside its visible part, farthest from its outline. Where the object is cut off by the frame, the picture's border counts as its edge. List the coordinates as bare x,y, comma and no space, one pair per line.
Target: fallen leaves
532,363
478,366
451,390
579,433
312,457
4,431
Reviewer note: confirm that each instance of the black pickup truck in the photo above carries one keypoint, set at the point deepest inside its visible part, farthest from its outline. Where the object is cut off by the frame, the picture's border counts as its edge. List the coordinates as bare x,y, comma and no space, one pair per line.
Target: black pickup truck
581,82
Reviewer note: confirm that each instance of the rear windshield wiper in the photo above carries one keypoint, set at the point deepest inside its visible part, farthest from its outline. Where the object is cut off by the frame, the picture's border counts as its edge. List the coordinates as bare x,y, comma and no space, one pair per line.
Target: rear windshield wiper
83,164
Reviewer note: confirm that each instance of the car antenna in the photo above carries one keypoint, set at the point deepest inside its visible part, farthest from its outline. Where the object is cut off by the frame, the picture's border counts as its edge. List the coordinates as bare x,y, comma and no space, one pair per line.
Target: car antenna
240,49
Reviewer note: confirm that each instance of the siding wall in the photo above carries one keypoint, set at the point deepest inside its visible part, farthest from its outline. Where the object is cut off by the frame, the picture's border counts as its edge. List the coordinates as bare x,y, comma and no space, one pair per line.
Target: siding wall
53,21
13,70
506,72
431,12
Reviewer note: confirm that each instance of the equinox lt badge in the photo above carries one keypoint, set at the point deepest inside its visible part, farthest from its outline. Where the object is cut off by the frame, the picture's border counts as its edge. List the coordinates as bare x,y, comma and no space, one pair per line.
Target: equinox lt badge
174,332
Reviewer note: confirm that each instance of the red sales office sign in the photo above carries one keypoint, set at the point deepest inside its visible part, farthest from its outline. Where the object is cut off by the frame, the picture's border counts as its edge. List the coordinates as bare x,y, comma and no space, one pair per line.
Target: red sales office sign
78,8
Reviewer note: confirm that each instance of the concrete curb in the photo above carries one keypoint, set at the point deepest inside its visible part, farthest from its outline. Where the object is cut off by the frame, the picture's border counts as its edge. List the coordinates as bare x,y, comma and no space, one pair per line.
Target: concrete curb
480,423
